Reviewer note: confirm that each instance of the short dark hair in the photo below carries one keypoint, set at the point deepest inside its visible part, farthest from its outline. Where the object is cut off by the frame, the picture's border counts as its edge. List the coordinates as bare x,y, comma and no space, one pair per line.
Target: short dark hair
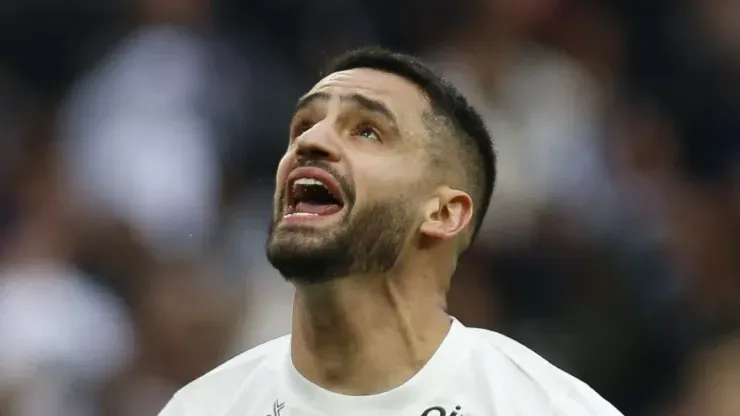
474,144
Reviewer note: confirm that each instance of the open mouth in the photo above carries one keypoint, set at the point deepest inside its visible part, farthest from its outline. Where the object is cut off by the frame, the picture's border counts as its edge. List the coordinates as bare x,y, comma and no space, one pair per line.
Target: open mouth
312,193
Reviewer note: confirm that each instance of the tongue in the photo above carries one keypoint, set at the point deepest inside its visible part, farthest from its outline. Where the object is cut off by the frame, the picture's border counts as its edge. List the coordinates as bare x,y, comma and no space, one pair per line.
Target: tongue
318,209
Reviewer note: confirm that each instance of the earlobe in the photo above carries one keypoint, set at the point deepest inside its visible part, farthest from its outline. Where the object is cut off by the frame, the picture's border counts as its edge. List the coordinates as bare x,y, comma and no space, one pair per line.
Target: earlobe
447,215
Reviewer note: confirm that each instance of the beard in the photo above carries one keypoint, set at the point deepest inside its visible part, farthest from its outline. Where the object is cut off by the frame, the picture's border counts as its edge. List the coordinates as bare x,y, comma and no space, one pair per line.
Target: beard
367,240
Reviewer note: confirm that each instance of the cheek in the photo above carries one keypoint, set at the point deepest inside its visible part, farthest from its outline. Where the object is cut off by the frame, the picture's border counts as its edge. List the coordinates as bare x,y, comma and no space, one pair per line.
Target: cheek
401,173
280,176
390,184
386,177
283,169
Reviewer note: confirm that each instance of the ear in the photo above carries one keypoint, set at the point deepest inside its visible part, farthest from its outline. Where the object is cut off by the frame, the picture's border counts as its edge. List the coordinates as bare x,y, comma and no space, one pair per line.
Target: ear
447,214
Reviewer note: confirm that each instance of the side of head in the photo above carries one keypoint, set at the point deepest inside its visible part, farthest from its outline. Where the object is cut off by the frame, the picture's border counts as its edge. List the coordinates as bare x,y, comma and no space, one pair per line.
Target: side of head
385,159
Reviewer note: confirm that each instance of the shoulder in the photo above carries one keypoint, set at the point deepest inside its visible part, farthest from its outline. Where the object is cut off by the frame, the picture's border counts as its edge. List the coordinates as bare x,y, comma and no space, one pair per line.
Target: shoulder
248,370
531,371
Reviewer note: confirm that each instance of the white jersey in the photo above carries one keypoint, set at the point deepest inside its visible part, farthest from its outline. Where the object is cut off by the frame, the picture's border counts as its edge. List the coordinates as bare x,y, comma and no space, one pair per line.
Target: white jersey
473,373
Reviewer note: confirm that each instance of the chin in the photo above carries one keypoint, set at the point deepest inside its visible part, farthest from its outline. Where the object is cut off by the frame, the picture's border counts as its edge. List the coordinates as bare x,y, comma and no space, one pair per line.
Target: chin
350,240
304,264
305,253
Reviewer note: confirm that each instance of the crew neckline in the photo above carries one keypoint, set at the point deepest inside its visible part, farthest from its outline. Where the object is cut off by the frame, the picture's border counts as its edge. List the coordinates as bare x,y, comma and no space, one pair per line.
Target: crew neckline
420,386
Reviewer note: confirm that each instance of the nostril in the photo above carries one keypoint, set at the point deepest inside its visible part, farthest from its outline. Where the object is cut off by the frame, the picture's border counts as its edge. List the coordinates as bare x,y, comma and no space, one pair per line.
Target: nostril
312,153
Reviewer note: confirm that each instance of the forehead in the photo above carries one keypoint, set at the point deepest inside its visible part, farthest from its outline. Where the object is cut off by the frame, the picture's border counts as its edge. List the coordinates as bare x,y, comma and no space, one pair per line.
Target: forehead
401,96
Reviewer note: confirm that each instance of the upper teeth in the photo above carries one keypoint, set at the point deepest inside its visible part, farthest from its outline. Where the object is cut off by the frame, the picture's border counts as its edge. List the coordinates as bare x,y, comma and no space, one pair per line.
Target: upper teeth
308,182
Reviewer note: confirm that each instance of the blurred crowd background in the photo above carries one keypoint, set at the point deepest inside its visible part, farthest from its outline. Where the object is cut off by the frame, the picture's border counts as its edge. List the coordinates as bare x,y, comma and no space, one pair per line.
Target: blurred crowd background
138,141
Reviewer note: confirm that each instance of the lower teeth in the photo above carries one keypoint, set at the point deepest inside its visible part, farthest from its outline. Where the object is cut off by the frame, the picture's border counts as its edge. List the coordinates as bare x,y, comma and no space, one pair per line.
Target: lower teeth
302,214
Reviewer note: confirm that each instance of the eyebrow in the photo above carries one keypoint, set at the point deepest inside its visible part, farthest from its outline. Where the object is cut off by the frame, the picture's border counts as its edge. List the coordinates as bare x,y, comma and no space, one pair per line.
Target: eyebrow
359,100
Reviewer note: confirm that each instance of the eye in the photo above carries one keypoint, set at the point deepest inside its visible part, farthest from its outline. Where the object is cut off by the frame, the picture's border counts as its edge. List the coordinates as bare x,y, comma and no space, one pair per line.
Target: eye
367,131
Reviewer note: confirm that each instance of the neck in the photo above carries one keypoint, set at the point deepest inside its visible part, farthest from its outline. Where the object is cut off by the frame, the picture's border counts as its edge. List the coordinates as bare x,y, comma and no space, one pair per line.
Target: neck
366,335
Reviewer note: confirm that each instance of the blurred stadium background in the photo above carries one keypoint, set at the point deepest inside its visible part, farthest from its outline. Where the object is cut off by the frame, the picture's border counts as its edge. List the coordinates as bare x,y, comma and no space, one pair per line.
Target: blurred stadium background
138,140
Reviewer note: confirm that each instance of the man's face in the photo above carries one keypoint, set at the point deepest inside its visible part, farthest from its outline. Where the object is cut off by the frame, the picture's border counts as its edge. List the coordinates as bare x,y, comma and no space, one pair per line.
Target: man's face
349,186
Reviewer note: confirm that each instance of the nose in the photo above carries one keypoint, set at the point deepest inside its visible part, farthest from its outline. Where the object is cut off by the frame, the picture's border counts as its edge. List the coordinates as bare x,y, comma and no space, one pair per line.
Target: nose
320,142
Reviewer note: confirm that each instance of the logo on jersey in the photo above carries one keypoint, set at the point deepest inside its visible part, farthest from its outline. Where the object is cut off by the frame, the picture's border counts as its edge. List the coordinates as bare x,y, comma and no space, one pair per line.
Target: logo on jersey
277,407
441,411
